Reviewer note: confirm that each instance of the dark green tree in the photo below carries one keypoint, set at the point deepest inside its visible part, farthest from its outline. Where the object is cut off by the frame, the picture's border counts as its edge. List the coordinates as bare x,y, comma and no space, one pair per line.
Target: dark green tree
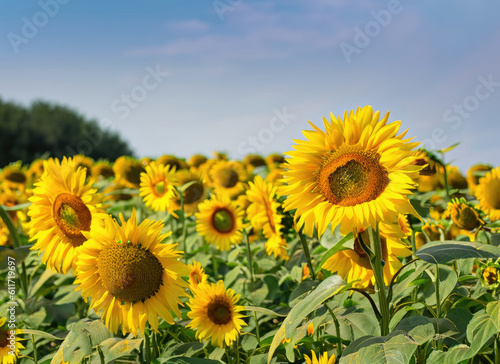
45,128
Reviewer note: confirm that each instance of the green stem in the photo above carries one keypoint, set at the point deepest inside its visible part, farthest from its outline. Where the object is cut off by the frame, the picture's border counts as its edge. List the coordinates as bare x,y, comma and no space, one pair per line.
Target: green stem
446,185
497,351
337,330
147,346
257,331
438,299
229,360
156,348
378,272
35,353
250,262
305,247
237,349
413,243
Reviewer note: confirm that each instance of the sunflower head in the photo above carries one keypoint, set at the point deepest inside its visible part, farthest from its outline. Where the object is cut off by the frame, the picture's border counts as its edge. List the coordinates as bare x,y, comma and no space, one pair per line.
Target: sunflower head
63,207
354,264
194,193
157,187
130,274
320,359
103,170
489,274
84,162
456,179
420,239
215,314
128,171
488,193
35,170
197,274
253,161
14,176
197,160
274,160
220,221
356,173
475,173
228,177
173,162
10,345
464,215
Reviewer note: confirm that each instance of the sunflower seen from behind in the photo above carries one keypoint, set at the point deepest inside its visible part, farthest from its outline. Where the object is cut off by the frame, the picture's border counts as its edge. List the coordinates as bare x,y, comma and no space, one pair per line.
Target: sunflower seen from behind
157,187
355,174
488,193
194,192
130,275
220,221
354,264
63,207
215,314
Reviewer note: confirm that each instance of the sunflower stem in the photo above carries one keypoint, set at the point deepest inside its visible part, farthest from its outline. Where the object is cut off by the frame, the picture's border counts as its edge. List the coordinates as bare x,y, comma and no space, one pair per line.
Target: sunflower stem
446,184
337,330
35,354
147,348
237,349
229,360
250,262
378,271
305,247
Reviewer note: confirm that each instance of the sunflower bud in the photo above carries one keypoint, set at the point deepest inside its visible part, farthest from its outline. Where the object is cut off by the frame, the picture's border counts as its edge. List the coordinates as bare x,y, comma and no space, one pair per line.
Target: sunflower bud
463,215
489,275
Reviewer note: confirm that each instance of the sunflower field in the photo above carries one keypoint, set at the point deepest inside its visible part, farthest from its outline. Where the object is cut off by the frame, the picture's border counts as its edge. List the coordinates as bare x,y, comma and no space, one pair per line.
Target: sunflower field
358,246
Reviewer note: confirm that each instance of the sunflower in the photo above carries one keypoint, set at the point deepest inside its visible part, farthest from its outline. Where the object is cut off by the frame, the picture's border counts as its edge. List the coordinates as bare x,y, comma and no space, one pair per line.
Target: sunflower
130,275
455,178
197,274
463,214
353,264
356,173
172,161
228,177
321,359
215,314
63,206
197,160
157,187
488,193
84,162
472,175
35,171
263,215
275,176
5,239
128,171
253,161
194,193
274,160
9,342
220,221
14,176
102,170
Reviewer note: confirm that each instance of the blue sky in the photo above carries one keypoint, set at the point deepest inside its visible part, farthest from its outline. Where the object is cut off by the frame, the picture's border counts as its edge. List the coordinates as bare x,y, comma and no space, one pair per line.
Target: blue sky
245,76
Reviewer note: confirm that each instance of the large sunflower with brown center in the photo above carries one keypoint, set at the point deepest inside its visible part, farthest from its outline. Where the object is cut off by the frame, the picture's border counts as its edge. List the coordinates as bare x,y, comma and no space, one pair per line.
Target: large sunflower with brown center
488,193
130,275
356,173
215,313
63,206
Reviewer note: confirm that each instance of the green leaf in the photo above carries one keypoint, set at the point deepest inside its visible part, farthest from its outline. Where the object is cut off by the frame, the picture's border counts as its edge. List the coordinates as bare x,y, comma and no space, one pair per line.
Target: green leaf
397,350
249,343
447,281
420,328
447,251
325,290
19,254
42,334
114,348
493,309
188,360
263,310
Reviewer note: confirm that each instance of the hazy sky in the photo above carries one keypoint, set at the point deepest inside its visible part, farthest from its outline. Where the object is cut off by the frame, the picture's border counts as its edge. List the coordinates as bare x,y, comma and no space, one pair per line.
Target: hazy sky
181,77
